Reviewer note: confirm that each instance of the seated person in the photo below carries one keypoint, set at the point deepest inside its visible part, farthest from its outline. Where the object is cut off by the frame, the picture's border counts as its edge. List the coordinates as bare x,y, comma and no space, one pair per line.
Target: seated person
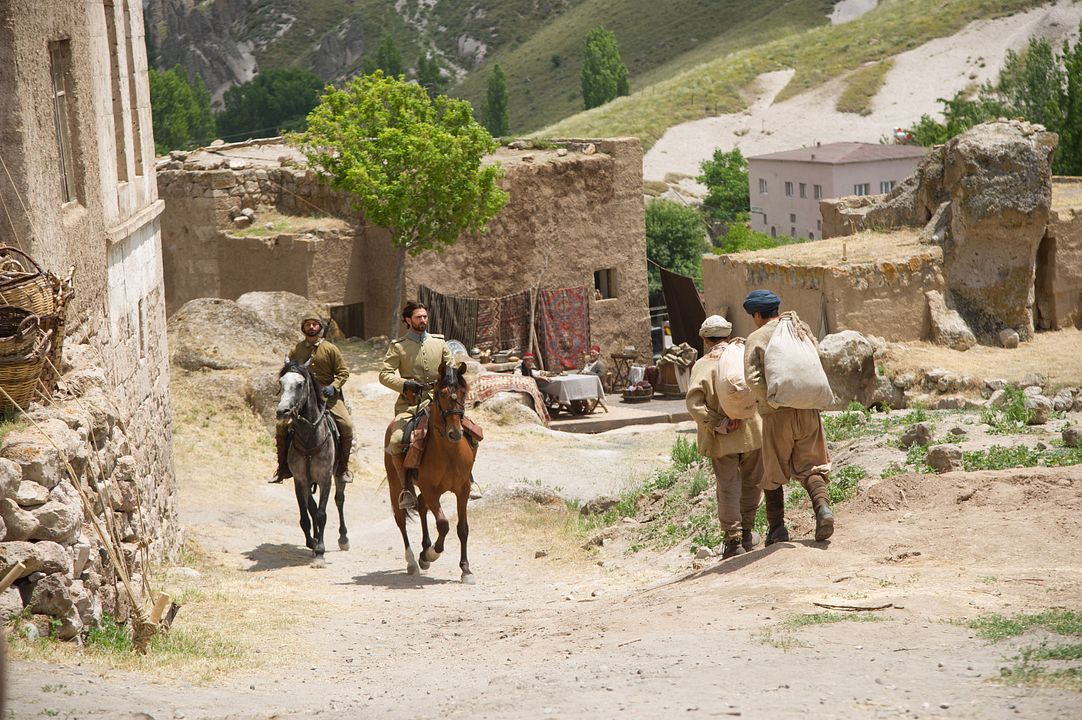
594,365
529,369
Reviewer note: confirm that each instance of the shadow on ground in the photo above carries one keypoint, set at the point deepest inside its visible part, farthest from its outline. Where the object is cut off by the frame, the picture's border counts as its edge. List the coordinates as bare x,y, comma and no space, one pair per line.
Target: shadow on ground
275,556
398,580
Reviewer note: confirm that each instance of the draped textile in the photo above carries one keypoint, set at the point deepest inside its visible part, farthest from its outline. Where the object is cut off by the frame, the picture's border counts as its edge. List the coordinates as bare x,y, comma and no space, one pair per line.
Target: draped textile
685,309
488,384
451,316
504,323
564,324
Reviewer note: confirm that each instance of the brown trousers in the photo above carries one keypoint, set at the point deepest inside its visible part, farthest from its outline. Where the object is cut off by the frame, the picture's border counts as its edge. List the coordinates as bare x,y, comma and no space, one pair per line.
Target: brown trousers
794,447
738,479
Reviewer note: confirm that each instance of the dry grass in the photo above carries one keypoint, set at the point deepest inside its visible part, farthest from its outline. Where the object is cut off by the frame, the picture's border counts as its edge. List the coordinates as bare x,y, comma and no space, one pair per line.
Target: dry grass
280,224
1054,354
525,524
897,246
862,86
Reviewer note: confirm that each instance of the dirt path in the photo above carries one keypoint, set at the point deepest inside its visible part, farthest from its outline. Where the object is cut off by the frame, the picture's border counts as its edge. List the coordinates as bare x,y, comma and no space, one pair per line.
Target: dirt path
598,633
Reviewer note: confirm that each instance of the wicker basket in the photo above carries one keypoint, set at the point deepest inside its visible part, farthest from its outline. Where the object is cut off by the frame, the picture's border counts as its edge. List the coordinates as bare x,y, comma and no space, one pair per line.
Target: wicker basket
19,374
18,330
35,291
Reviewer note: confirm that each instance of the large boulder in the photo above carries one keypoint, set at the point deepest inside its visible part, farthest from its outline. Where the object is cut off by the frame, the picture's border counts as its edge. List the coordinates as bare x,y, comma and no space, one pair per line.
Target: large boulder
217,334
999,178
285,310
948,327
849,361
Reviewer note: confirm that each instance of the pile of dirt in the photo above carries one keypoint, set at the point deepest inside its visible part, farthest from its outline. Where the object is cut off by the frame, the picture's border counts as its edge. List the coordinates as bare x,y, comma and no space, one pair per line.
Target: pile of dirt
217,334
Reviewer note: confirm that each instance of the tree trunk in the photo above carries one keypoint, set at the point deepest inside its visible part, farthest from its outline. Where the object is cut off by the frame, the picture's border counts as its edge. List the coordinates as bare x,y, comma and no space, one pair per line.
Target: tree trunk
399,290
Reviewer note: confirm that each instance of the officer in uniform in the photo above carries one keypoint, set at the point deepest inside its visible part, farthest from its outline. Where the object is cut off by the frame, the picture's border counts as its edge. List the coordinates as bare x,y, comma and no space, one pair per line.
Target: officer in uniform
411,368
330,370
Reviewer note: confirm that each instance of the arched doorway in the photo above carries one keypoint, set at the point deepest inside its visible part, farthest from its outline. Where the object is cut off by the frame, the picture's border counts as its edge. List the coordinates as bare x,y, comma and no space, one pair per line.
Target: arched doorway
1044,298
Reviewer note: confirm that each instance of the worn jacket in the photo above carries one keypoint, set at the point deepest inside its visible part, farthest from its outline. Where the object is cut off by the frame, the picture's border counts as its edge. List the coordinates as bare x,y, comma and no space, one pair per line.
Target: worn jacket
327,365
705,409
755,362
407,359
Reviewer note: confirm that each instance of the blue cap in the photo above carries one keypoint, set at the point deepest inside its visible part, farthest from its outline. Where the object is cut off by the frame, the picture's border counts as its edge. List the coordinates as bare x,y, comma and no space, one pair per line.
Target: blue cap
760,301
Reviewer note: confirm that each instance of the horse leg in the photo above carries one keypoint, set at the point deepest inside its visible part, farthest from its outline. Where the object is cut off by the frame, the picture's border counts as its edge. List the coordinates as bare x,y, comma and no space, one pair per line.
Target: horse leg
442,527
321,516
313,511
394,487
300,487
463,527
339,501
426,539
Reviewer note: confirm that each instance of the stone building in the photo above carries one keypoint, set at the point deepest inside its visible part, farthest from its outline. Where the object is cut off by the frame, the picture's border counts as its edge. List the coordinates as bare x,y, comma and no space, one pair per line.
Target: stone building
575,218
78,189
980,239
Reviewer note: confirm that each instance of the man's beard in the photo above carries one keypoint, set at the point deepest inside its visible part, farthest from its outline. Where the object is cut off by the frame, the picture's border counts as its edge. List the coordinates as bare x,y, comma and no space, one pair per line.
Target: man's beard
312,333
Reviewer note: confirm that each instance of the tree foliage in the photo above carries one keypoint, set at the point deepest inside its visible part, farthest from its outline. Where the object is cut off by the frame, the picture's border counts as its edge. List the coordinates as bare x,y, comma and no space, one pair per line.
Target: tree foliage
271,103
180,110
725,176
387,59
497,118
675,240
604,75
1038,84
429,76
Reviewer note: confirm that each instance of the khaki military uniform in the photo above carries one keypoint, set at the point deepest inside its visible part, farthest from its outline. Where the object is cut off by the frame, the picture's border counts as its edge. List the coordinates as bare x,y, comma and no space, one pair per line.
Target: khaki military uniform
408,359
735,456
328,368
794,444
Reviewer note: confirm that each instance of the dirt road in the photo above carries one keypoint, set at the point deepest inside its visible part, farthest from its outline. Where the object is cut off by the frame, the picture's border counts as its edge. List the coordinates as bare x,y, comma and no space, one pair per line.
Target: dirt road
589,633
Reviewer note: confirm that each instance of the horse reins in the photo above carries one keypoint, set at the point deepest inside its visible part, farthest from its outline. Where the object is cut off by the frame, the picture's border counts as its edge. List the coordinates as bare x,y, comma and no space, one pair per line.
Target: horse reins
294,411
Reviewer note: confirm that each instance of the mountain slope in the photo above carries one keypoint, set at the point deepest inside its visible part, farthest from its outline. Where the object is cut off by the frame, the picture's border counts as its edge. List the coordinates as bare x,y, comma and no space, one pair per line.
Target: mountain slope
817,55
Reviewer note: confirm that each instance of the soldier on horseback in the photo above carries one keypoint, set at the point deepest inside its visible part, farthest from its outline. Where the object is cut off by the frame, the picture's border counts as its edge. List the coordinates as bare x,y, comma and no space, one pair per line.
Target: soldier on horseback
411,368
329,369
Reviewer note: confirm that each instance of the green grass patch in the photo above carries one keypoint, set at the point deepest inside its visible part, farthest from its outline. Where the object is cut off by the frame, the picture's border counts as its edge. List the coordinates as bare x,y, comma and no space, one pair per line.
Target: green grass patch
843,483
862,86
1028,668
998,457
1010,417
826,618
853,422
999,627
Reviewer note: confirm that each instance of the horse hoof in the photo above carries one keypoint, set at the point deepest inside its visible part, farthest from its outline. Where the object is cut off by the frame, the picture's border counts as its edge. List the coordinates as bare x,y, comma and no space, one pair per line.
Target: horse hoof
424,563
310,544
319,562
413,570
430,555
343,545
468,579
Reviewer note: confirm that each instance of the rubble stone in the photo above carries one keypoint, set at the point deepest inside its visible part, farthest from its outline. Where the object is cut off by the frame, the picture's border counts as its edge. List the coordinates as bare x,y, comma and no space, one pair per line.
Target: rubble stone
944,458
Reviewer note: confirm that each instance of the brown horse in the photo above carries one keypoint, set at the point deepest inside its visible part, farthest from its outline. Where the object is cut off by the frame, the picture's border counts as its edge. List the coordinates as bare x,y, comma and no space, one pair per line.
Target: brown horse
446,466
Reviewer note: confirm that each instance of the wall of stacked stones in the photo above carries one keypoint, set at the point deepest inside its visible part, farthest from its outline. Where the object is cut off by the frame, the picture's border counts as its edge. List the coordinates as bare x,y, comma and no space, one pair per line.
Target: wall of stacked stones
71,488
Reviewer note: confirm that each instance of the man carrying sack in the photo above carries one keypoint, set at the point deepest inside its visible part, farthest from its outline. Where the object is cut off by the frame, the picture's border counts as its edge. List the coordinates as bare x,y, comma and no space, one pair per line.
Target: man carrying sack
731,444
782,368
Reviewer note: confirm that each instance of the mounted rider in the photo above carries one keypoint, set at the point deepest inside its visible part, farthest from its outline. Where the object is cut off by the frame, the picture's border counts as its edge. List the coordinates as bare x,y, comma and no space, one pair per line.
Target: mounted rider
330,371
411,368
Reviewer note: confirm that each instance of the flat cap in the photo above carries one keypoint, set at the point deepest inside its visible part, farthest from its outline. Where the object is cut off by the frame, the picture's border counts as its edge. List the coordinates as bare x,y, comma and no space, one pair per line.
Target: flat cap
715,326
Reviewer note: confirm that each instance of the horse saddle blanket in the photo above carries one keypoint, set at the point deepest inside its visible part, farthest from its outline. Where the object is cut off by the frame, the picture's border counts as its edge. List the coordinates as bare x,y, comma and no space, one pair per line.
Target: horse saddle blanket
416,432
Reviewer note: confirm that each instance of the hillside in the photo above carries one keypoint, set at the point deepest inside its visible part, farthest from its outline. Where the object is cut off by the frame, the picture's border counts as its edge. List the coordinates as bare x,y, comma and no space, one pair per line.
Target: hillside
726,84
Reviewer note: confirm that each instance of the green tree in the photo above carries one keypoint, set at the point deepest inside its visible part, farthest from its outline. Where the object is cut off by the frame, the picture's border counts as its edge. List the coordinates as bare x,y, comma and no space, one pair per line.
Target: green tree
675,240
273,102
725,176
412,163
180,110
497,118
1068,159
604,75
429,76
1031,84
387,59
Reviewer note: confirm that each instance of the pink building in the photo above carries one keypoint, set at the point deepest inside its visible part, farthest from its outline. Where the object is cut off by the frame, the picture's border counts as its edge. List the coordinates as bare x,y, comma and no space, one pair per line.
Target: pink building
785,187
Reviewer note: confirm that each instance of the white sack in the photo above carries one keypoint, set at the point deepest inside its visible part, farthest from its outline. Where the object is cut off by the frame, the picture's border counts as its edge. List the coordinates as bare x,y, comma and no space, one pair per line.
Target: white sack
794,374
737,399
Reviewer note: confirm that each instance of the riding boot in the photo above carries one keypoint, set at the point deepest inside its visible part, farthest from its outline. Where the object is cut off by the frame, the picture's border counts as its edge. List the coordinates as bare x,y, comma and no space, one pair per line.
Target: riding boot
775,516
733,547
816,485
407,499
281,440
749,539
342,469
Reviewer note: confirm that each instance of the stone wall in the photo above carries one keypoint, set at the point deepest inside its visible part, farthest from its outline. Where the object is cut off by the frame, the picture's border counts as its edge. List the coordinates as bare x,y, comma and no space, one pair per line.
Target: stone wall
108,230
872,284
570,213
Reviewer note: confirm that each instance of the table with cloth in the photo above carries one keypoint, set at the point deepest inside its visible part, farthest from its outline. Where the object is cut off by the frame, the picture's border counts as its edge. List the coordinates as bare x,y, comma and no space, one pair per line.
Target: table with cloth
577,394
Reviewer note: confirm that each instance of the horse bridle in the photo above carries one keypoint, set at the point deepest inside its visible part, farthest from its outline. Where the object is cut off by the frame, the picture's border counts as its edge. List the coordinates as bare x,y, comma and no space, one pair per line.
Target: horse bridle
460,410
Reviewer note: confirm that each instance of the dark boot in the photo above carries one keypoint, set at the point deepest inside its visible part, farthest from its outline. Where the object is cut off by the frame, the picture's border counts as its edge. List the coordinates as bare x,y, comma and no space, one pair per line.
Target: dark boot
749,539
345,445
816,486
281,441
775,516
407,499
733,548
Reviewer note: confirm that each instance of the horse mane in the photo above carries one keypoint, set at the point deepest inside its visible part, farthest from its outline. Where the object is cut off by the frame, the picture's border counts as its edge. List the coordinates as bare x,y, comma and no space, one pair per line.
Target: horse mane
452,380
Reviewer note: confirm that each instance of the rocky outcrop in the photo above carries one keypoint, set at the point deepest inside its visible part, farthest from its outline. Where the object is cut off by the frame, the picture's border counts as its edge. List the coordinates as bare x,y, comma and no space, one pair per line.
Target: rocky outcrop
948,327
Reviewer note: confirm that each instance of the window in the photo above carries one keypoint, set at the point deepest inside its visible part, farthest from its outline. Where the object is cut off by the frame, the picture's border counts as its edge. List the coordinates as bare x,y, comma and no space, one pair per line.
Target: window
819,225
862,189
119,136
788,189
762,186
818,191
605,283
60,67
792,217
137,141
803,190
811,235
886,186
792,232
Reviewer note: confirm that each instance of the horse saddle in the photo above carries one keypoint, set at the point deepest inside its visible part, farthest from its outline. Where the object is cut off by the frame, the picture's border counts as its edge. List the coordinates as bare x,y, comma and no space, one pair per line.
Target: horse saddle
416,434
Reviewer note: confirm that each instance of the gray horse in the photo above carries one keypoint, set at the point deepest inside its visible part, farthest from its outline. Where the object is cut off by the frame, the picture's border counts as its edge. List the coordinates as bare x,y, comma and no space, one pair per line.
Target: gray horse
311,453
